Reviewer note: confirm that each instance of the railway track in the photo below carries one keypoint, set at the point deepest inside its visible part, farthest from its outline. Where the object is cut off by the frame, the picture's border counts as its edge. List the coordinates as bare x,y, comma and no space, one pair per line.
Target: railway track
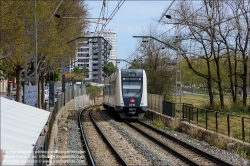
99,150
185,152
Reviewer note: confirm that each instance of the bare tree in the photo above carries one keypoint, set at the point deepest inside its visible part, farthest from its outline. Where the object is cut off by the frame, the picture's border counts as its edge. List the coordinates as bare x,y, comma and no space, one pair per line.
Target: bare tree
241,11
155,60
214,37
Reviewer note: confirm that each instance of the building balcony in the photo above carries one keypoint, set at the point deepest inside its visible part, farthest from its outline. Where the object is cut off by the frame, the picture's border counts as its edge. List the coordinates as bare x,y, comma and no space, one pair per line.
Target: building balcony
94,67
94,56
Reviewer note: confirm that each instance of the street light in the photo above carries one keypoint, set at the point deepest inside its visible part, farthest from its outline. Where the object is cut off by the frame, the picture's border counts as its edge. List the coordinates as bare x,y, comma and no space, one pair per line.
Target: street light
179,51
168,45
34,89
59,16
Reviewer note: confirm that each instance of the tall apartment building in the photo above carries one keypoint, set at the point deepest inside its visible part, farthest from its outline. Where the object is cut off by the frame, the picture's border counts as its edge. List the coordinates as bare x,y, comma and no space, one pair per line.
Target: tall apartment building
110,35
93,52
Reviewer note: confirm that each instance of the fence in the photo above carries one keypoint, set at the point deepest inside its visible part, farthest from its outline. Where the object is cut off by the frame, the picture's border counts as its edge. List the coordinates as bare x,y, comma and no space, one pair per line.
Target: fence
63,98
168,109
220,122
227,124
156,103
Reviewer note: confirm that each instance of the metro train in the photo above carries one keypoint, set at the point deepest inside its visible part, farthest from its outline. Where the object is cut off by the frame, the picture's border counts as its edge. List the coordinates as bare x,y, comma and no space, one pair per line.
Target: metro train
125,93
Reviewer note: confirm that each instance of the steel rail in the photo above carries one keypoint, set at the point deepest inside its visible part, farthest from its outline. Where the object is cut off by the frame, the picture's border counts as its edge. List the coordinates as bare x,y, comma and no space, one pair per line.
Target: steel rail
84,140
123,162
175,153
188,146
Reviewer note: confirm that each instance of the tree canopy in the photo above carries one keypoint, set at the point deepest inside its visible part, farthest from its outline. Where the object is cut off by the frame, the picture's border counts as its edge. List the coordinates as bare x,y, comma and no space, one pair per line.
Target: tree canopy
108,68
53,50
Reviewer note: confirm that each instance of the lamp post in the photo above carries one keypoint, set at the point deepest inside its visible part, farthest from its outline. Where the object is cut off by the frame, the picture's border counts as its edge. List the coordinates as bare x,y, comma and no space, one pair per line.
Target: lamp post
178,91
27,100
63,17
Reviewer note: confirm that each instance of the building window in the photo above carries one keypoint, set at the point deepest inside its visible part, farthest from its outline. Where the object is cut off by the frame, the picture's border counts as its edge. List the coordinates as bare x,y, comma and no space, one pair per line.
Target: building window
83,49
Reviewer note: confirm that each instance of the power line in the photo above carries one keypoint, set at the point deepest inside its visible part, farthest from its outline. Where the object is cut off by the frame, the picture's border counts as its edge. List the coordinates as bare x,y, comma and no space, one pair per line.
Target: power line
118,6
175,25
99,17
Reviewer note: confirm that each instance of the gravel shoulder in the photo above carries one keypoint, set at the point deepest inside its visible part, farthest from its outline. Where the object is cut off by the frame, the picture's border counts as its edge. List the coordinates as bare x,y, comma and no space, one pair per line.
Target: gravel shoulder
68,147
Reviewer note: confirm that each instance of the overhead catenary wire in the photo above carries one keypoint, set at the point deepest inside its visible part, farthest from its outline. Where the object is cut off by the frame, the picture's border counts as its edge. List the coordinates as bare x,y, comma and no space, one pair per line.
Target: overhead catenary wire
99,18
118,6
173,26
102,13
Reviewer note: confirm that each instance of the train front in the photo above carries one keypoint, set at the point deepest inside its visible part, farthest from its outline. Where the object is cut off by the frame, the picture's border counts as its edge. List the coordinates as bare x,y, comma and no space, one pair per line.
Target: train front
133,93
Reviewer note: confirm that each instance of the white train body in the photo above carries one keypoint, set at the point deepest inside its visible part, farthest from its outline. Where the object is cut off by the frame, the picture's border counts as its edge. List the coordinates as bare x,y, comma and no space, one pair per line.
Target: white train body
125,92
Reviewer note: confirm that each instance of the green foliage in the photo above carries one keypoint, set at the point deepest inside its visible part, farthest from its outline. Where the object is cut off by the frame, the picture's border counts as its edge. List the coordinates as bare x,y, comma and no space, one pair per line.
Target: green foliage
237,108
136,64
109,68
76,70
85,71
53,49
157,124
168,97
57,76
168,129
93,90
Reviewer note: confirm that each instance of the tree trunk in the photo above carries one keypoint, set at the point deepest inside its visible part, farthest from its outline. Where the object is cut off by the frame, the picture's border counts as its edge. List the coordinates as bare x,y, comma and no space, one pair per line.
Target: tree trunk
209,86
219,84
210,92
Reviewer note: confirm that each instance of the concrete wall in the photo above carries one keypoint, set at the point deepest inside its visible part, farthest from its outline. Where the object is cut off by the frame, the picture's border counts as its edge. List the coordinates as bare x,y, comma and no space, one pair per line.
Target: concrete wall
155,102
96,101
197,132
64,112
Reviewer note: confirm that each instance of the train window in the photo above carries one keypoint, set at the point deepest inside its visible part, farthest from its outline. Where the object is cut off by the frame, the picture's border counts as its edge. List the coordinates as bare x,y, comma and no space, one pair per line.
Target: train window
131,89
131,74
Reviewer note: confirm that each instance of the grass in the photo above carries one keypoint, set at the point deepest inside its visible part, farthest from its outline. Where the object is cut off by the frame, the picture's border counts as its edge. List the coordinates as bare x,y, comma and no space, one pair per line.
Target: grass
236,112
158,124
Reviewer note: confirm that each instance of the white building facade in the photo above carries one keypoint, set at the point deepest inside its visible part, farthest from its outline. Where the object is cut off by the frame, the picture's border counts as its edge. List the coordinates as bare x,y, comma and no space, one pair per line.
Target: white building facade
91,54
110,35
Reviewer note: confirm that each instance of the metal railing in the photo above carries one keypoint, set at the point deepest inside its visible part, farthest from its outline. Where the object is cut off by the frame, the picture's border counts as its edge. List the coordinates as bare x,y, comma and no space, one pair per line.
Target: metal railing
235,126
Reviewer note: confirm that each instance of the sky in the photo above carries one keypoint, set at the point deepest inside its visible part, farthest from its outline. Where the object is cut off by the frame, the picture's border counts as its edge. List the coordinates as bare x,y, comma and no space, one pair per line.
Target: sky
132,19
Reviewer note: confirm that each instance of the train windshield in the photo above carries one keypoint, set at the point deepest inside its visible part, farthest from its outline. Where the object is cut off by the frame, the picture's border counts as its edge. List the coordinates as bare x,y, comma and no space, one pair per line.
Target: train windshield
131,88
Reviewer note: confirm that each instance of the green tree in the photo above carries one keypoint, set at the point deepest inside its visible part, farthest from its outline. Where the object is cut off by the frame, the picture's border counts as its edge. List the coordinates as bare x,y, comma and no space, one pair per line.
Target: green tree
109,68
52,37
76,70
85,71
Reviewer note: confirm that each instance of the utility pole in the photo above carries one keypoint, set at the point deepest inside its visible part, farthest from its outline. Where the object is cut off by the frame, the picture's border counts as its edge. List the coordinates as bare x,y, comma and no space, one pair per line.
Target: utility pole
178,86
33,56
